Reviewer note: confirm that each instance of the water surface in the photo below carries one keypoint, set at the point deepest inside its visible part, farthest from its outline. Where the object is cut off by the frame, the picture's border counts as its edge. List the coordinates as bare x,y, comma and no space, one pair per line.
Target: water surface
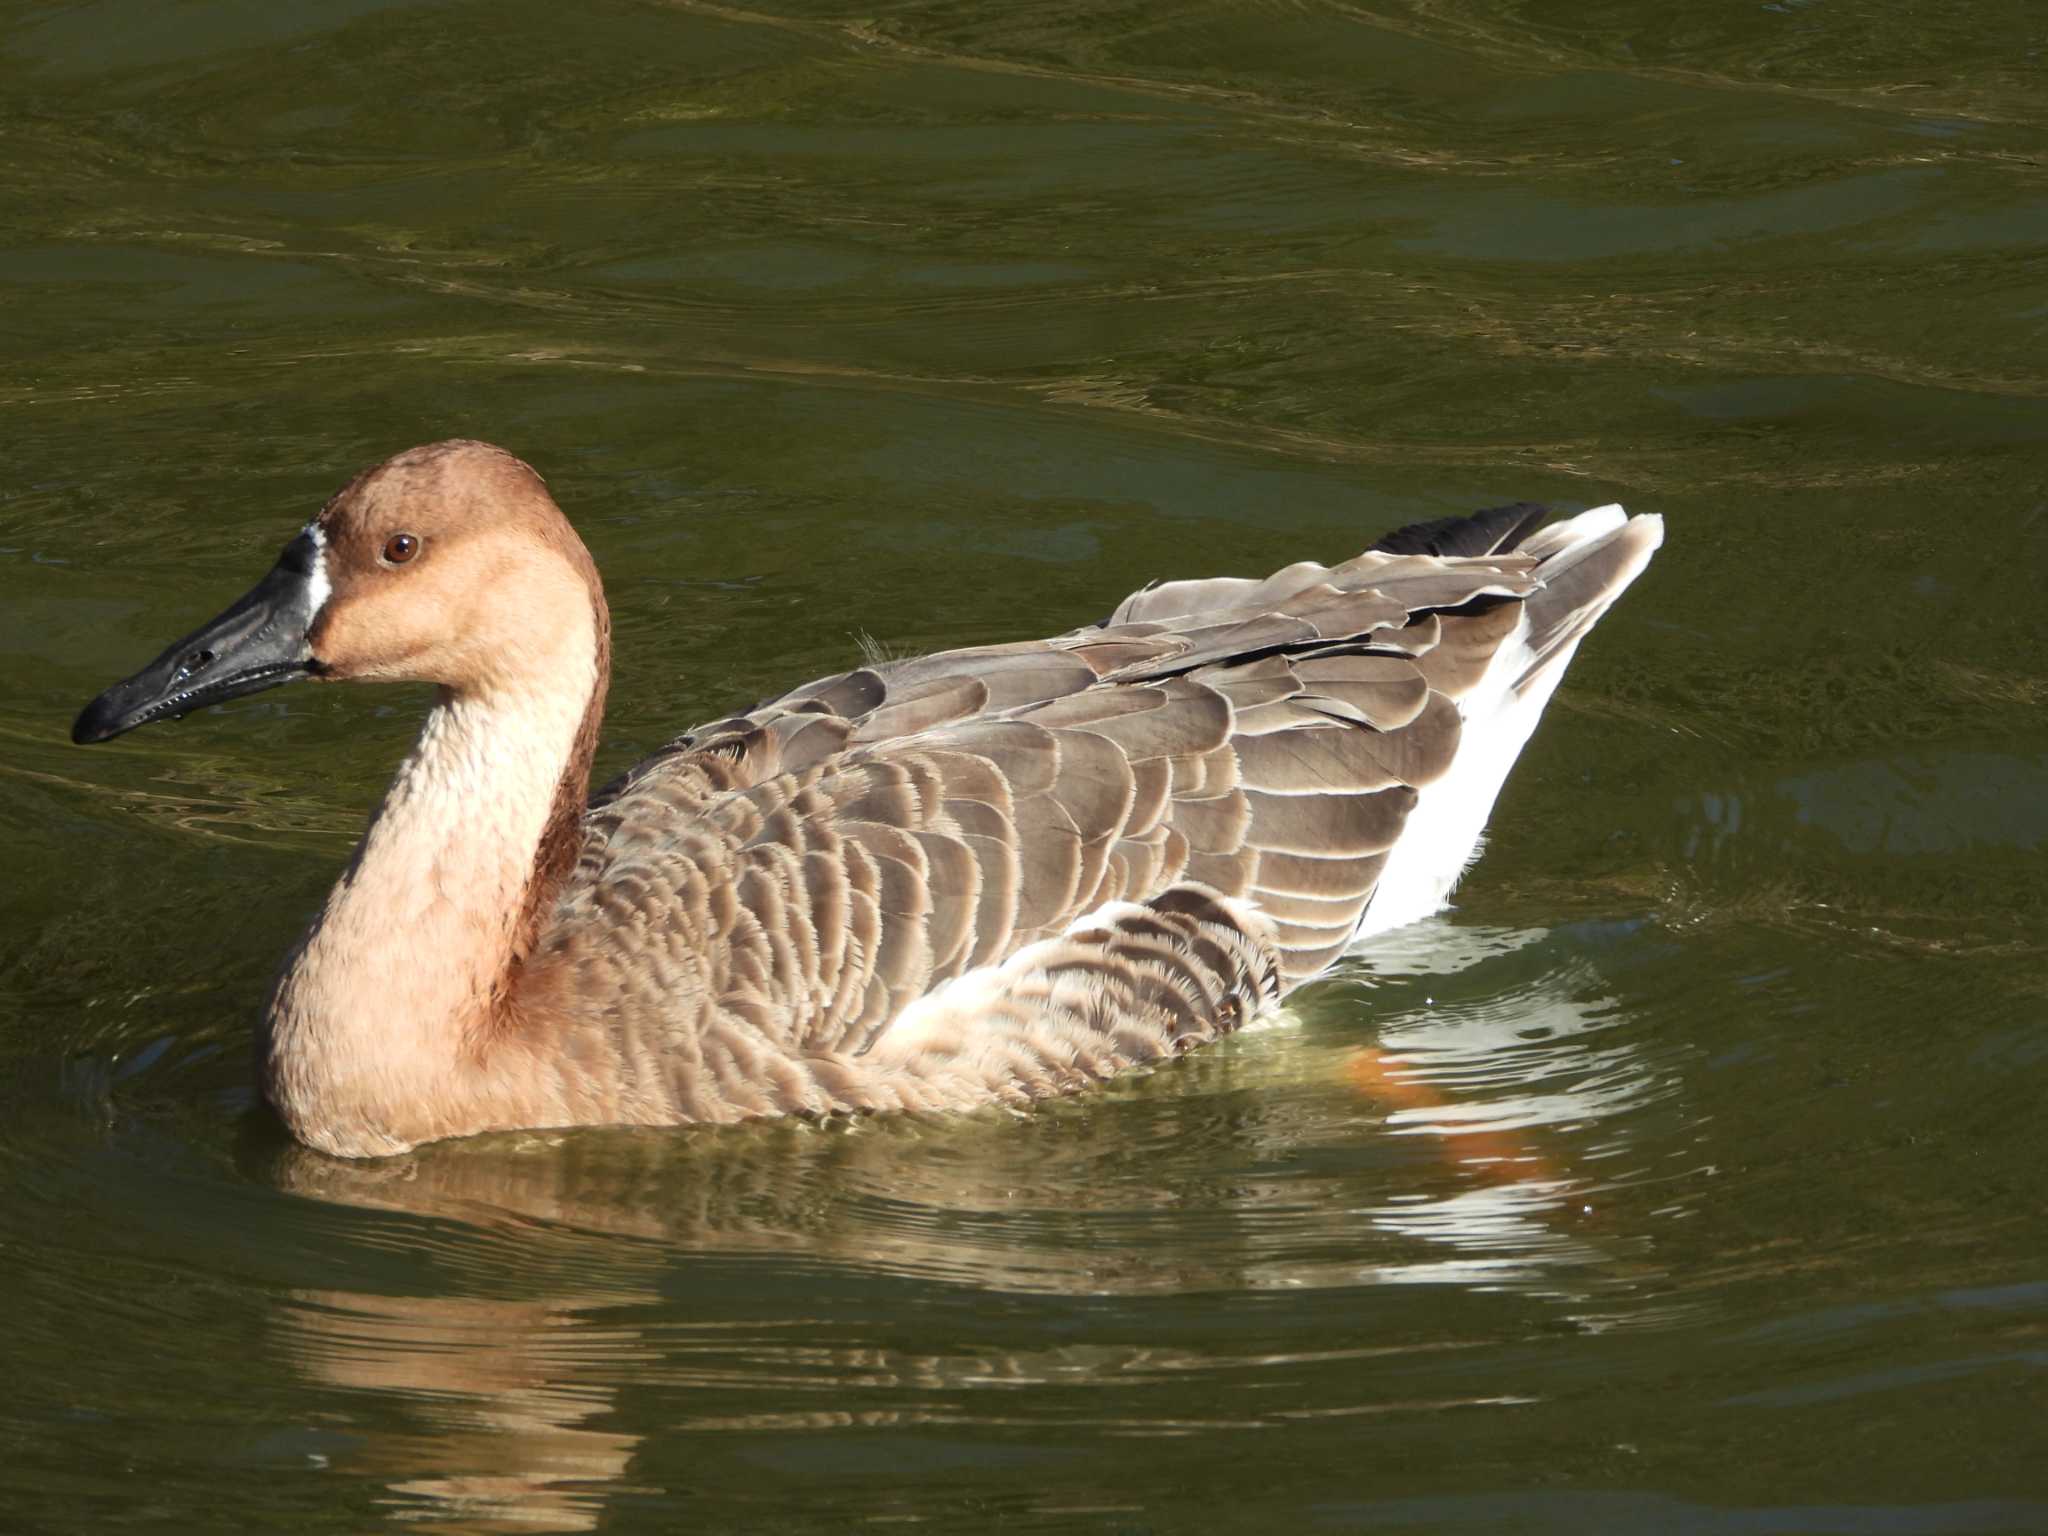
1686,1177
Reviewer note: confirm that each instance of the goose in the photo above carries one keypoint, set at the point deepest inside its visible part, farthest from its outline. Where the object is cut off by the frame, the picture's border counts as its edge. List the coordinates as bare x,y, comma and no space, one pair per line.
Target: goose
984,876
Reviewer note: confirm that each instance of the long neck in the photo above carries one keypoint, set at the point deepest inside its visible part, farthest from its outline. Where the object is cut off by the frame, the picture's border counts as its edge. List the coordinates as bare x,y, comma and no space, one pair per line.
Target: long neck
381,1027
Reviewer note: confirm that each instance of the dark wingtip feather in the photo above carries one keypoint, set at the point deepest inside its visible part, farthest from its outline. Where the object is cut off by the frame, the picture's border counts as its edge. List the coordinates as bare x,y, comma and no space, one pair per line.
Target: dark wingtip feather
1493,532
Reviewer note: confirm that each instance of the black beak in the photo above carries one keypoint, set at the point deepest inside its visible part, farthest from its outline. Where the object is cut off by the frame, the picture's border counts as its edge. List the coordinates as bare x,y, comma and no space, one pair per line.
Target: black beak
259,642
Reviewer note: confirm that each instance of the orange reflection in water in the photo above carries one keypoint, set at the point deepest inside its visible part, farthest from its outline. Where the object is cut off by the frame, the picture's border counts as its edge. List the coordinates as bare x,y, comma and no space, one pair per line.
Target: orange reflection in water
1498,1155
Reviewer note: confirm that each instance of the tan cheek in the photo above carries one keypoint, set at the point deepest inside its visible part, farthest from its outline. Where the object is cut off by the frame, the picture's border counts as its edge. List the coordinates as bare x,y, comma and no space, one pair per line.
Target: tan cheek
343,642
370,636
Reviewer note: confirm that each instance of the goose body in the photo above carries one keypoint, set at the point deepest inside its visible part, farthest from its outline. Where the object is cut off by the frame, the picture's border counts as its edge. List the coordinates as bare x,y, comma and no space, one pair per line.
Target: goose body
987,875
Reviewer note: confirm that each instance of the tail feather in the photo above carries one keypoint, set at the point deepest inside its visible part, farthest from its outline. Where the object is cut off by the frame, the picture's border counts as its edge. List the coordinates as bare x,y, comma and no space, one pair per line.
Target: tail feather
1583,564
1562,537
1492,532
1606,550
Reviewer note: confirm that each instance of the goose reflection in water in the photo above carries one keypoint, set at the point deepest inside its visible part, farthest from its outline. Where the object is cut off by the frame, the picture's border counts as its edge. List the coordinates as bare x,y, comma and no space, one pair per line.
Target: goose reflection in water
1465,1158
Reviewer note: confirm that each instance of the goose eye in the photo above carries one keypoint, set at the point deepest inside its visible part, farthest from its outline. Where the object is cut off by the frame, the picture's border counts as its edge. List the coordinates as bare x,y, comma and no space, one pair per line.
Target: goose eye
400,547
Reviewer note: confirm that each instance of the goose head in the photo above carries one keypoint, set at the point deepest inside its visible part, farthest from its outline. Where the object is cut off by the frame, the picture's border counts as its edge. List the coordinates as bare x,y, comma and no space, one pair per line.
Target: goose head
447,564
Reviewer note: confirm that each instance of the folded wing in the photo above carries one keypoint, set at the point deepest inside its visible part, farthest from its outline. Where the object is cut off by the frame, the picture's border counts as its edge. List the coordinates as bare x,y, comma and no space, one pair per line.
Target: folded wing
1118,841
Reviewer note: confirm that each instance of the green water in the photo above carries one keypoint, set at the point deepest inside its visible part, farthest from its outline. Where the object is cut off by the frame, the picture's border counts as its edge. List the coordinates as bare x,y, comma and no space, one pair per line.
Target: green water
1720,1207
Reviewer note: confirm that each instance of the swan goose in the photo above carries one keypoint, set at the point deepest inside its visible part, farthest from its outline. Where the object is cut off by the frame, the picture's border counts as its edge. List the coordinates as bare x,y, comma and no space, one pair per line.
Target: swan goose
987,875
